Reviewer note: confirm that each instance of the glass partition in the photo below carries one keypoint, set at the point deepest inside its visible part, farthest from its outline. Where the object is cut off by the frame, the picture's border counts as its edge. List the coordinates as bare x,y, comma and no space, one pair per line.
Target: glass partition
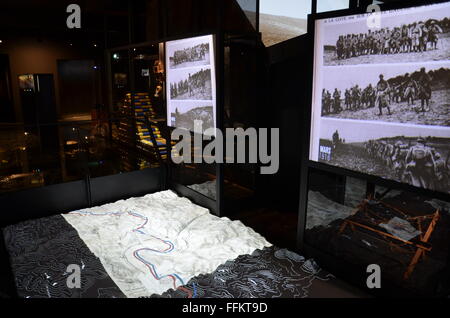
120,72
406,234
250,8
332,5
36,156
138,100
283,20
196,175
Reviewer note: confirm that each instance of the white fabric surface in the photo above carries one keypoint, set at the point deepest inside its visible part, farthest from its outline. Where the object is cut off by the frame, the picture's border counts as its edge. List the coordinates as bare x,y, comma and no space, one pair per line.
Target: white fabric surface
323,211
200,241
401,228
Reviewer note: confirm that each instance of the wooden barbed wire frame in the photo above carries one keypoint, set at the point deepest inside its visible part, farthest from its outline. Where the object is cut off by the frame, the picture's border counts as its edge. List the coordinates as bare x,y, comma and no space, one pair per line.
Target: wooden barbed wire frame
422,246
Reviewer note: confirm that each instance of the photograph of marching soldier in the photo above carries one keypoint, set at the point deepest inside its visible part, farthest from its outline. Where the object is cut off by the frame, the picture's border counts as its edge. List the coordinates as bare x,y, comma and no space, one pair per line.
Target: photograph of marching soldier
403,36
191,84
405,93
390,151
189,53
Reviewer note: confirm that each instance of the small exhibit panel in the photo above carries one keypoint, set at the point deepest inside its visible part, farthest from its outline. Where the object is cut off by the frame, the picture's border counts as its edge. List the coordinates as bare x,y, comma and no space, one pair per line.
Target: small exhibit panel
191,83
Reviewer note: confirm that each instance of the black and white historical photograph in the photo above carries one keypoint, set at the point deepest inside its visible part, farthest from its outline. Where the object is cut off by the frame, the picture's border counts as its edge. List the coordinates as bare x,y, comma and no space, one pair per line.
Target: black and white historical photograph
189,53
191,84
186,113
419,157
406,93
403,36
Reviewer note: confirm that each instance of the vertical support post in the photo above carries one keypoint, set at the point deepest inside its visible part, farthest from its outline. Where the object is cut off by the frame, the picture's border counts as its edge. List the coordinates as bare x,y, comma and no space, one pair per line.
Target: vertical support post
164,10
130,22
220,75
305,135
258,9
313,6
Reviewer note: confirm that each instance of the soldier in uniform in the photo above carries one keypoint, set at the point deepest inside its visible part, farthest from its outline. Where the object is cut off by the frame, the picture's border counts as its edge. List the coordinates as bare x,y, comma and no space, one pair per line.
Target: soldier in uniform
395,42
336,140
416,35
399,159
369,43
340,48
410,89
337,101
387,42
433,36
388,156
347,99
420,164
441,171
382,95
406,39
361,44
325,109
348,47
356,94
424,90
329,101
424,37
371,96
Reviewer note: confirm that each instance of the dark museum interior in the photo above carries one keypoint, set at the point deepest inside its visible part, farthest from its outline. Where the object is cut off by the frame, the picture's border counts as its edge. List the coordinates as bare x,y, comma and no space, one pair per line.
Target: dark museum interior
93,94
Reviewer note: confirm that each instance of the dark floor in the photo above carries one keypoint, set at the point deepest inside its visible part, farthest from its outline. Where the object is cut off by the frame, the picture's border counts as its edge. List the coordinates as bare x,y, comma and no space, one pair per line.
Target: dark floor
279,228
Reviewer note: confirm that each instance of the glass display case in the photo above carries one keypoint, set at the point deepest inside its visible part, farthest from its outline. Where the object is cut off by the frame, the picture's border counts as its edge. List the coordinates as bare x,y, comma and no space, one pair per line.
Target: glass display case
137,77
360,223
361,205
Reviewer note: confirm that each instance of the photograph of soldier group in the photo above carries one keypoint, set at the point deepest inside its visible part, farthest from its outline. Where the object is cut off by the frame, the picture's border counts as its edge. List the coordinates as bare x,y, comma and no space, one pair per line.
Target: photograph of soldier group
416,37
418,161
416,90
191,56
415,163
197,86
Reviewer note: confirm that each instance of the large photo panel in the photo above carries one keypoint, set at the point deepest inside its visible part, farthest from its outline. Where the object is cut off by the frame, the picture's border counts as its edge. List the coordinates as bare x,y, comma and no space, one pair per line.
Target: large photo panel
191,82
381,96
406,35
413,93
402,153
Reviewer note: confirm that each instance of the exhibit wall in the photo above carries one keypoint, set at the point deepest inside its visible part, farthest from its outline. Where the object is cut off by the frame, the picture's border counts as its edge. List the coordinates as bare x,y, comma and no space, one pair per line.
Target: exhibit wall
381,95
191,83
